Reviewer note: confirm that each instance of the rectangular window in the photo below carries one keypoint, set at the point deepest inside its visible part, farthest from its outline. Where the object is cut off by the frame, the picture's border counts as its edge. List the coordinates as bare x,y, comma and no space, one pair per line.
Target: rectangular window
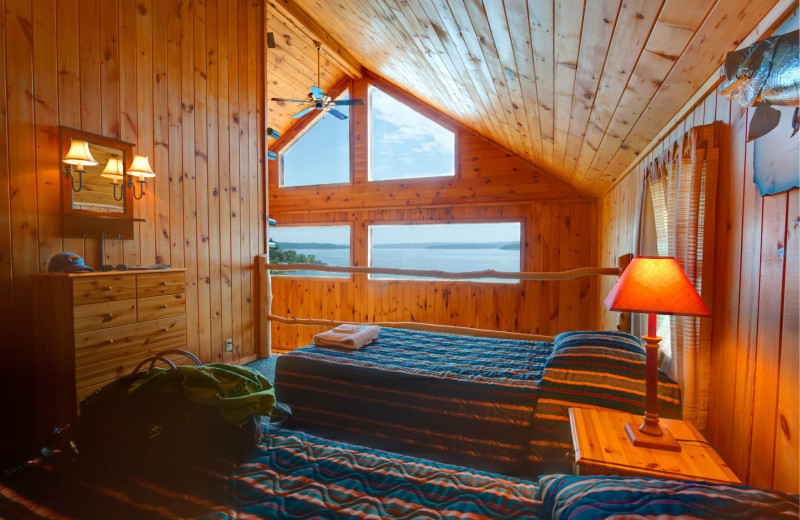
405,144
323,245
447,247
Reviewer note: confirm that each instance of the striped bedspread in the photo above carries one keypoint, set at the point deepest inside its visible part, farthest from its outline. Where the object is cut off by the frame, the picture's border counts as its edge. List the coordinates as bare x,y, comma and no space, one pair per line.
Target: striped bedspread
451,398
566,497
604,369
292,476
492,404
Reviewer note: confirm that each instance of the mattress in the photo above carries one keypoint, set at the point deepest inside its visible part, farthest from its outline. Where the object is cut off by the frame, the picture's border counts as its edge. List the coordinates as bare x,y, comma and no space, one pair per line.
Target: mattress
293,475
452,398
500,405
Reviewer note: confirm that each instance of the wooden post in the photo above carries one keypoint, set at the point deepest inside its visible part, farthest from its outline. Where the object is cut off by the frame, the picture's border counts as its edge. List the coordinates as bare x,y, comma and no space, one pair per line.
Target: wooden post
264,307
624,321
268,312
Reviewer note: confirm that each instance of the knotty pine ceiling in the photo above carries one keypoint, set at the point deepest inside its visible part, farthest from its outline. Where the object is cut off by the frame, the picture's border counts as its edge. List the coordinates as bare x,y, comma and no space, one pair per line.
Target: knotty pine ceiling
578,87
292,67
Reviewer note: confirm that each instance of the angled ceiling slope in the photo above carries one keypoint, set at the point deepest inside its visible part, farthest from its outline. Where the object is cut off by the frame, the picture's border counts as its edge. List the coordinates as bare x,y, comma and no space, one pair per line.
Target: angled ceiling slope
292,65
579,87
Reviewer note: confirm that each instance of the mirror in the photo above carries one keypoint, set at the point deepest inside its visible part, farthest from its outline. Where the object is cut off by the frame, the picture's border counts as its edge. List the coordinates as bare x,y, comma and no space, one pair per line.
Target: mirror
98,192
91,205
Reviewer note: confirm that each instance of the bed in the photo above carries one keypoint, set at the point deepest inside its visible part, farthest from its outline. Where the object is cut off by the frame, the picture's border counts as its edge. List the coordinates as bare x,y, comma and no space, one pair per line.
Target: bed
295,475
494,404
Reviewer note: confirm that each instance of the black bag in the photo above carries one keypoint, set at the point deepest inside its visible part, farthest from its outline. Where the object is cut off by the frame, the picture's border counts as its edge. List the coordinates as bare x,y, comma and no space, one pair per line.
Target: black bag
122,432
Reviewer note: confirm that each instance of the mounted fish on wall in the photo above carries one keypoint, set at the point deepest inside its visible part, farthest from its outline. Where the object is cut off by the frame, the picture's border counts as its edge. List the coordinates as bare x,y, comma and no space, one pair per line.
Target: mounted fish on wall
767,75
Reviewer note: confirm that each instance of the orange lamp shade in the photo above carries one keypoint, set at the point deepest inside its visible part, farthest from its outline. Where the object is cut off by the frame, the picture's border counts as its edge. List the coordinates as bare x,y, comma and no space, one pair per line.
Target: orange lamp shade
656,285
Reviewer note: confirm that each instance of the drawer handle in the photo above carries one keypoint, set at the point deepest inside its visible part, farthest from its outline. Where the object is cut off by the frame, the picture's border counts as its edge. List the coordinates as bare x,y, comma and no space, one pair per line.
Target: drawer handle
163,284
164,306
108,317
110,341
107,288
165,329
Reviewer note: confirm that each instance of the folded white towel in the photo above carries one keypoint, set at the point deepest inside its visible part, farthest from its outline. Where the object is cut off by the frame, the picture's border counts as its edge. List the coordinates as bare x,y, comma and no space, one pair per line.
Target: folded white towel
352,337
347,328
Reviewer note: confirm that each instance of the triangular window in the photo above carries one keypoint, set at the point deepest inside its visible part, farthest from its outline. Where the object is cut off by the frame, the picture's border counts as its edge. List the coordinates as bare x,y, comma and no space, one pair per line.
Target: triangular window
321,154
405,144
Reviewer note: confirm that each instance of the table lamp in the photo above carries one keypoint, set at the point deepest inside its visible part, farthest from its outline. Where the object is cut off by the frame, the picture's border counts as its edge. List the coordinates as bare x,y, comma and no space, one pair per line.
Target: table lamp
654,285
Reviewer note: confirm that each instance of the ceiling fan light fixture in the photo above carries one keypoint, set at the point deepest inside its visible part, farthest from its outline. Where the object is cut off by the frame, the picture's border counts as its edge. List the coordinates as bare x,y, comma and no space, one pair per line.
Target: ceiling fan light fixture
317,98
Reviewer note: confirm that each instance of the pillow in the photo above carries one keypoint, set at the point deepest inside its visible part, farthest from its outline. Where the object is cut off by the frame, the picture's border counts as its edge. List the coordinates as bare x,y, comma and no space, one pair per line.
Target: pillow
567,497
605,368
602,368
623,341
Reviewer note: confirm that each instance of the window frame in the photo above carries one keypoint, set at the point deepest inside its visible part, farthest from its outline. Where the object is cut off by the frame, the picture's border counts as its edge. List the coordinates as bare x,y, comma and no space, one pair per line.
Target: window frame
523,246
324,275
425,112
307,122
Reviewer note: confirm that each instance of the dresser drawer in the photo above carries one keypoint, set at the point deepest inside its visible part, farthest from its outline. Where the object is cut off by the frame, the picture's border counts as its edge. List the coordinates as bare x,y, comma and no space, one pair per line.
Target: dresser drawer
93,316
155,284
101,356
155,307
103,289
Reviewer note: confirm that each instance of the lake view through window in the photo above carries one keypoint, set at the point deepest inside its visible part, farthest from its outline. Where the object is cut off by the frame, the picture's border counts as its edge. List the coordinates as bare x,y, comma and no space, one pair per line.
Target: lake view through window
328,245
447,247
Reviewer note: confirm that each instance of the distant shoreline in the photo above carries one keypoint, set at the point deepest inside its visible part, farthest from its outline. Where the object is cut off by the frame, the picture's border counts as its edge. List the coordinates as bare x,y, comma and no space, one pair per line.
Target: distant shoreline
406,245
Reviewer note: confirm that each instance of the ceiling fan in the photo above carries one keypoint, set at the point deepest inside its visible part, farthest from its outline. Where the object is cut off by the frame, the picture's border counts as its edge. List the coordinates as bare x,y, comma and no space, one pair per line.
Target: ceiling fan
319,99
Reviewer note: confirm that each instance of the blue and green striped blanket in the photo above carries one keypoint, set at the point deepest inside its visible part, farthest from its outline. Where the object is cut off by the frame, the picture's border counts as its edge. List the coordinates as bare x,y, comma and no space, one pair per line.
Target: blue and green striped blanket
598,369
566,497
487,403
292,476
295,475
452,398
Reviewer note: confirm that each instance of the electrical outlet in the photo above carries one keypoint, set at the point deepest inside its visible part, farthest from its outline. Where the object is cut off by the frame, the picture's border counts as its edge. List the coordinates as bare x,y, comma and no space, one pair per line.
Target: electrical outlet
228,345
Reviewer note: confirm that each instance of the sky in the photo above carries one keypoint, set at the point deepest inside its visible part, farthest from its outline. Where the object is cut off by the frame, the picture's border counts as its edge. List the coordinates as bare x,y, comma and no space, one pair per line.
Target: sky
392,234
320,234
322,154
404,145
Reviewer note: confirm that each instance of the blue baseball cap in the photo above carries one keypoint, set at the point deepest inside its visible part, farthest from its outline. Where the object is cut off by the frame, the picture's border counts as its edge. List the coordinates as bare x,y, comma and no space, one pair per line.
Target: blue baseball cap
67,263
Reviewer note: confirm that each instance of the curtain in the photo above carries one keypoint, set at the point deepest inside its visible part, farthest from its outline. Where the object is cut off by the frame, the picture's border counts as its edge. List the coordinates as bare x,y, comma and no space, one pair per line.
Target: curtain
680,190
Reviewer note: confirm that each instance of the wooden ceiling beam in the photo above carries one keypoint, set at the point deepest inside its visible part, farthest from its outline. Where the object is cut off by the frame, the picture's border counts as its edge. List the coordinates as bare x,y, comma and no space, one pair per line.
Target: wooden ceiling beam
307,25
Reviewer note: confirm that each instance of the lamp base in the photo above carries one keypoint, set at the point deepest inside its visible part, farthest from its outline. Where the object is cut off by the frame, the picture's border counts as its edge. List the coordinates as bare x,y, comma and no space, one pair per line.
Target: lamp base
664,442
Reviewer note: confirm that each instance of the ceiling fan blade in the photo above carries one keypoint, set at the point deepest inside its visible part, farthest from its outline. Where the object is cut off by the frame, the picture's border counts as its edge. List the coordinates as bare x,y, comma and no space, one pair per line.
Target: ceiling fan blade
346,102
317,93
336,113
289,100
302,112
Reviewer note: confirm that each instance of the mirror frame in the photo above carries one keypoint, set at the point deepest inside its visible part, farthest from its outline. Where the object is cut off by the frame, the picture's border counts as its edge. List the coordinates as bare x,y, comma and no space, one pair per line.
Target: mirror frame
81,223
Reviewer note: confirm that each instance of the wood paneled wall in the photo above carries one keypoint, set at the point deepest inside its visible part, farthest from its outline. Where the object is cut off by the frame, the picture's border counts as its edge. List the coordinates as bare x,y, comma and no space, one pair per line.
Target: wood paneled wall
556,236
184,82
491,184
753,411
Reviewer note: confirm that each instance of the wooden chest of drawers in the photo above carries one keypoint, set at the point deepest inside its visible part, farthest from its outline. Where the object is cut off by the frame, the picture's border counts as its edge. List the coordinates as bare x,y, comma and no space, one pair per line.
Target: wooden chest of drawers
94,327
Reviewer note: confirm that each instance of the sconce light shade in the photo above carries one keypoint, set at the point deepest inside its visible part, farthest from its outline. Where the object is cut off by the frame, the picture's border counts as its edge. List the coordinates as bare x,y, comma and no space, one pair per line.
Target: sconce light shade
141,167
114,170
79,154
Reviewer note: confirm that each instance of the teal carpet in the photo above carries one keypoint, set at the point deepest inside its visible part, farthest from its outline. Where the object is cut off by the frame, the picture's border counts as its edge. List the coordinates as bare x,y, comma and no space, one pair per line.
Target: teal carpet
266,366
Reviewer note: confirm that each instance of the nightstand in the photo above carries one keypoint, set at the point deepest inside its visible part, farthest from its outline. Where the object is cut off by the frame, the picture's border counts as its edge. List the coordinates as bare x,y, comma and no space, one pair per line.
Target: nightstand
602,448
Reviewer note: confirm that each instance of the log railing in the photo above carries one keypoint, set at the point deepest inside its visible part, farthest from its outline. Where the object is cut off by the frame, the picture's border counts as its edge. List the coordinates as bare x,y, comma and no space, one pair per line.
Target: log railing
265,301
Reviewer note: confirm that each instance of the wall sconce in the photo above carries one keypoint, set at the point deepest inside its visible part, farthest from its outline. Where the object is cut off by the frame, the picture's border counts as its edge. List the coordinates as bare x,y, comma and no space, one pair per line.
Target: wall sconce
139,168
77,157
115,171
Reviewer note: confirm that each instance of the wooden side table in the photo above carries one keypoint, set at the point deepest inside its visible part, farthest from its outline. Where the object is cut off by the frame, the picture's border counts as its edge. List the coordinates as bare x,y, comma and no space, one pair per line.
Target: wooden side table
602,448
